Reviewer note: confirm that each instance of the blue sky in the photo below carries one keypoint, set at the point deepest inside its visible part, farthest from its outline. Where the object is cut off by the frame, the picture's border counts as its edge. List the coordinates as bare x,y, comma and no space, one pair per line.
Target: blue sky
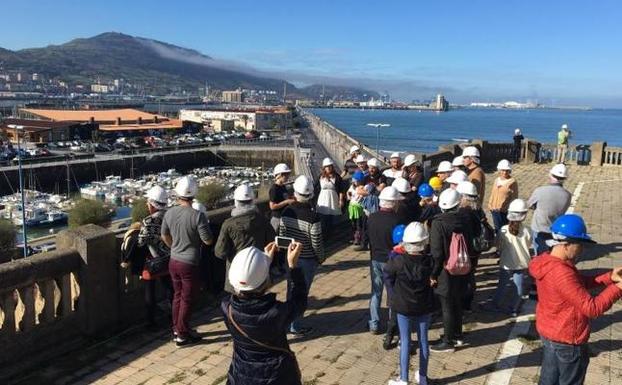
562,52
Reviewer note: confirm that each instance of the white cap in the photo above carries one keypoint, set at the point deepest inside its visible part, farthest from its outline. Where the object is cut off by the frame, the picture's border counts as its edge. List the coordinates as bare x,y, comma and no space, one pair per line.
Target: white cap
390,193
198,206
281,168
186,187
327,162
249,269
303,185
470,152
157,197
395,155
517,211
410,160
415,232
449,199
445,166
467,188
354,149
401,185
457,177
560,171
373,162
243,193
504,164
458,161
360,159
517,131
564,126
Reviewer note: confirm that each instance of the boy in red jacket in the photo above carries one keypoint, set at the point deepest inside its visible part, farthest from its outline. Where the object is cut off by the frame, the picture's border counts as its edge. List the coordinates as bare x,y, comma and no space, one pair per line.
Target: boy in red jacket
565,305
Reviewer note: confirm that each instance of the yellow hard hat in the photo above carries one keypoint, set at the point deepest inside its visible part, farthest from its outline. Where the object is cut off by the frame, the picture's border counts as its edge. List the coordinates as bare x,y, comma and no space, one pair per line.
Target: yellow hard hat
436,183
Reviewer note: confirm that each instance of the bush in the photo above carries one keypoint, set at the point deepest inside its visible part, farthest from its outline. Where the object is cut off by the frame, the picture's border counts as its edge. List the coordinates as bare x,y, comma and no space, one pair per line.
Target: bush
7,240
139,210
88,211
211,194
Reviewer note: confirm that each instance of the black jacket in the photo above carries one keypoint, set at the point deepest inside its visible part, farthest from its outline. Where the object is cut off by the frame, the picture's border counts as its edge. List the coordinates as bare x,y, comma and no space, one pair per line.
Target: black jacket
408,210
266,320
380,230
408,280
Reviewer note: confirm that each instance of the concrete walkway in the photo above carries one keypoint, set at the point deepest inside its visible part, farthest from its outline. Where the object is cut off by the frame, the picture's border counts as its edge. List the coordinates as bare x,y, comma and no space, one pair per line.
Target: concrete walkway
341,351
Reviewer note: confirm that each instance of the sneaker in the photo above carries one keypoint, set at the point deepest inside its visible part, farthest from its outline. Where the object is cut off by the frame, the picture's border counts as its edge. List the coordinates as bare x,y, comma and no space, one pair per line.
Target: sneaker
303,331
190,340
397,381
460,343
387,342
417,377
443,347
192,333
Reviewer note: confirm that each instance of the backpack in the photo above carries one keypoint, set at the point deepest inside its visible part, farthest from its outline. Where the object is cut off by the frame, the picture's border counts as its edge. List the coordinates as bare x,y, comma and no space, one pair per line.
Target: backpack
130,252
458,262
485,239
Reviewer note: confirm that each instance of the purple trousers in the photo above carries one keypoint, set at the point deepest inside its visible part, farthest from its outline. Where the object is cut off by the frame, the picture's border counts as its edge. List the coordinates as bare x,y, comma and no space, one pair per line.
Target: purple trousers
185,279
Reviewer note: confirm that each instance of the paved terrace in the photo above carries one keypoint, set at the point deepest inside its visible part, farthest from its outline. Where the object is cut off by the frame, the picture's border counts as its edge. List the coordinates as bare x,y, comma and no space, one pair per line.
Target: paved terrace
341,351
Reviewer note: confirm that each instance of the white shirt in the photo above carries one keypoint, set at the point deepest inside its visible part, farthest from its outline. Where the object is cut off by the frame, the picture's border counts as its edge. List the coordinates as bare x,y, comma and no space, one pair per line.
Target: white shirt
514,249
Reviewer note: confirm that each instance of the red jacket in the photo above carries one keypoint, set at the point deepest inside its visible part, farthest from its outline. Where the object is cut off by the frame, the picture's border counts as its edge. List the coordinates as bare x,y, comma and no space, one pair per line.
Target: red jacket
565,305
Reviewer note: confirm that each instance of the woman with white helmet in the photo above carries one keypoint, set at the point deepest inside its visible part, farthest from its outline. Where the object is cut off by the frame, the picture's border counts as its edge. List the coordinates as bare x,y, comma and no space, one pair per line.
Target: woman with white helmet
456,178
443,171
331,198
279,196
413,171
504,191
350,166
458,163
412,298
513,243
258,322
408,209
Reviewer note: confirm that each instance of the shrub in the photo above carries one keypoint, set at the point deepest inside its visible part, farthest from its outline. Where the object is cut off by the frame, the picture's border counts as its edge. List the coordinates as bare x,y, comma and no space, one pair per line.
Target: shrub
88,211
139,210
211,194
7,240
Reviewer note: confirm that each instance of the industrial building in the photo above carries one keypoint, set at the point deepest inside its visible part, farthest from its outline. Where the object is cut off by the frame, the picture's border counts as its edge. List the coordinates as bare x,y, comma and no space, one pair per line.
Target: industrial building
243,119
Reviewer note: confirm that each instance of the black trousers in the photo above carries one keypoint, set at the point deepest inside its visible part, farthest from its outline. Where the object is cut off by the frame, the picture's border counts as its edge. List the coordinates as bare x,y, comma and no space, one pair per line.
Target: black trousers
452,317
151,300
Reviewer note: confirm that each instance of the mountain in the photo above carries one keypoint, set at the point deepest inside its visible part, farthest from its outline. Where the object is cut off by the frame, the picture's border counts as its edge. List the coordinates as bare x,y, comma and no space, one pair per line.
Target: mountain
157,67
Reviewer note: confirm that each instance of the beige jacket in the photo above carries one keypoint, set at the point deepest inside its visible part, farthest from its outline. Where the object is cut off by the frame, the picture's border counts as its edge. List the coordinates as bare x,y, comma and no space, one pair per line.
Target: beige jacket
504,191
478,178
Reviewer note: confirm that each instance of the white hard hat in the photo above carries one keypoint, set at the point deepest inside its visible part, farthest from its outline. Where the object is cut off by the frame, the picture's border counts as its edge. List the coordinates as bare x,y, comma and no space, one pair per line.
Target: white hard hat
360,159
249,269
157,197
327,162
281,168
467,188
415,232
504,164
395,155
560,171
410,160
401,185
354,149
243,193
470,151
457,177
449,199
564,126
517,211
458,161
303,185
517,131
198,206
390,193
373,162
186,187
445,166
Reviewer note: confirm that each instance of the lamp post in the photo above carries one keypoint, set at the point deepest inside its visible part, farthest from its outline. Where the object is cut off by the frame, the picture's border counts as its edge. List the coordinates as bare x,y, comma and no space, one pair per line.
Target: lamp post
378,125
16,129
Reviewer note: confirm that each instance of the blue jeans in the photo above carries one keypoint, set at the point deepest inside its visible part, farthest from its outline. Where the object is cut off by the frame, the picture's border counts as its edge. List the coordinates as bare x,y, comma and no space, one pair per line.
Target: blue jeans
539,242
377,285
505,276
499,219
421,324
563,364
308,267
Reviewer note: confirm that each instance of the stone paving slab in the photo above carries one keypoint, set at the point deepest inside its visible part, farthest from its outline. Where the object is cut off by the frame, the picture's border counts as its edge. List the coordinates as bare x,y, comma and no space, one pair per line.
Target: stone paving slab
341,351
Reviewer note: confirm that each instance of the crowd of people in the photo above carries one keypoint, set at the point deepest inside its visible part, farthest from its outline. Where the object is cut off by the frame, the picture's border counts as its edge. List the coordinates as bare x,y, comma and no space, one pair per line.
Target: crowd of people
424,238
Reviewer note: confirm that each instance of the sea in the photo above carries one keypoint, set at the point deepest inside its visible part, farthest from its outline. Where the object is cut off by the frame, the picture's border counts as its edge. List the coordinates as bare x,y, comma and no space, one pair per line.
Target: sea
424,131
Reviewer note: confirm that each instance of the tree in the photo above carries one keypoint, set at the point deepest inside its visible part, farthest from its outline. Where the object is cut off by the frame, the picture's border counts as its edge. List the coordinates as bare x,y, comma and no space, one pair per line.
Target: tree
211,194
88,211
7,240
139,210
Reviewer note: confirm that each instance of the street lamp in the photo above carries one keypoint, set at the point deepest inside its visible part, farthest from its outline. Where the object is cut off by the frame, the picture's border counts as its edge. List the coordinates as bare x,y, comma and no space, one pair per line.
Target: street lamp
16,129
378,125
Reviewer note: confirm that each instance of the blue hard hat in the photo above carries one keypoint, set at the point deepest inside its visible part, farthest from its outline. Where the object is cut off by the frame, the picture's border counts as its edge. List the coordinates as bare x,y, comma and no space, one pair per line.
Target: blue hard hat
398,233
570,227
358,176
425,190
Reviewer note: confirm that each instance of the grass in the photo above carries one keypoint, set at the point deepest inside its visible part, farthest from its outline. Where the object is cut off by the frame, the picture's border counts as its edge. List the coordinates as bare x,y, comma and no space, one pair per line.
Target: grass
178,377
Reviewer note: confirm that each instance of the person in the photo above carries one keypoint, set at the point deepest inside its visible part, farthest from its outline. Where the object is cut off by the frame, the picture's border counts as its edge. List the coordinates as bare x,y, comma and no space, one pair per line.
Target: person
279,195
183,230
437,184
395,171
562,144
350,166
504,191
246,227
413,171
428,203
397,235
356,212
361,163
443,172
566,304
518,145
412,298
407,209
456,178
513,242
380,226
451,223
375,176
475,173
330,197
458,163
155,268
301,222
548,203
258,323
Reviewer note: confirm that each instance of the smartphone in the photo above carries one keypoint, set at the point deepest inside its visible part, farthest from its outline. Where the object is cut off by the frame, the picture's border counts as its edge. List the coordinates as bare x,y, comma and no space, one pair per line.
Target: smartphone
283,242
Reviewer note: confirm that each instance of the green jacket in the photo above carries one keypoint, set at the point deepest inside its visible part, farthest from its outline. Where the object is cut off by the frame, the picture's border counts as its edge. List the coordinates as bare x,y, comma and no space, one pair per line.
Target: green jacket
562,137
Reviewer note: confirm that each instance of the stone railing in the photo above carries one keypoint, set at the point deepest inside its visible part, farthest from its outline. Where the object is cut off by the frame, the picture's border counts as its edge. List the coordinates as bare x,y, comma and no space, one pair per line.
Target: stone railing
612,156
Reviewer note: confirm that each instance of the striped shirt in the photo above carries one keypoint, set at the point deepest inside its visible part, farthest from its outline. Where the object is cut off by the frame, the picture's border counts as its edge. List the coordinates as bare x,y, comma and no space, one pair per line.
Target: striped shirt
301,222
